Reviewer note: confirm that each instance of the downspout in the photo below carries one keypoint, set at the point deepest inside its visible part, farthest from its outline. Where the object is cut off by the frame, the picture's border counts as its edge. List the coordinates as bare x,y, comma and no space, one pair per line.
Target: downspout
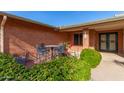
2,33
123,41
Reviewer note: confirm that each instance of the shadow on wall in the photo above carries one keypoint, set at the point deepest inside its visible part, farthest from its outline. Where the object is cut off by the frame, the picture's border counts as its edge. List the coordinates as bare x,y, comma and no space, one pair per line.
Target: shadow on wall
20,43
18,46
26,35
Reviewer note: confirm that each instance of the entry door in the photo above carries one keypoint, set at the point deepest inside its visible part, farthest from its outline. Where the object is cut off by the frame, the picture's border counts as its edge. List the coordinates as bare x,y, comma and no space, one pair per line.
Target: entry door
112,42
108,42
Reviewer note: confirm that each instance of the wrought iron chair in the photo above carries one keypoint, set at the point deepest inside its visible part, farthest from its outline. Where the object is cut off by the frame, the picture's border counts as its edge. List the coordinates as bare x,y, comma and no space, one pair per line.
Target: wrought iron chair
21,60
42,53
60,50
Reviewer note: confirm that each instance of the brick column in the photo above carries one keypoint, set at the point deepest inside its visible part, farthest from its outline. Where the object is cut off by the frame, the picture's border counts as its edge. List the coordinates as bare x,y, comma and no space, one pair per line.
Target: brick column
86,39
92,38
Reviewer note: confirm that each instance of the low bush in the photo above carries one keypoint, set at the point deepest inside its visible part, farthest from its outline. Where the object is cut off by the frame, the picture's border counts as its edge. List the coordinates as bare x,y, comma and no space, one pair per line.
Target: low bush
63,68
91,56
8,67
59,69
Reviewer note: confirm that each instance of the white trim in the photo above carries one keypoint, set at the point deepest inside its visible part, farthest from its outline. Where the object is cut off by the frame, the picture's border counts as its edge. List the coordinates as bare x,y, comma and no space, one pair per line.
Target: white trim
2,34
123,40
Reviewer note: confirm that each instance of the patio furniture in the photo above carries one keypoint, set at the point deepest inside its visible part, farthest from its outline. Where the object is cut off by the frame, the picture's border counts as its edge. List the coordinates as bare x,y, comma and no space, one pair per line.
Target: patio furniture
48,52
60,50
42,52
21,60
52,50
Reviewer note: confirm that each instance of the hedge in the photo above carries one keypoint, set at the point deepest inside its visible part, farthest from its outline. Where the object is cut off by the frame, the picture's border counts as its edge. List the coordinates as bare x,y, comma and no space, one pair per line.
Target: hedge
63,68
91,56
59,69
9,68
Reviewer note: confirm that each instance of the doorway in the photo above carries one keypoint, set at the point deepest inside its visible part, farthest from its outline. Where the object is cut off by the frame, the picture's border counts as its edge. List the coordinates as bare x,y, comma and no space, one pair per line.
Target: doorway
108,42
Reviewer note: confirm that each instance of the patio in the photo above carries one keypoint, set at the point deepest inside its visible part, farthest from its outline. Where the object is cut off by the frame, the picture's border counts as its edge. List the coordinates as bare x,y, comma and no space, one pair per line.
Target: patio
110,69
44,53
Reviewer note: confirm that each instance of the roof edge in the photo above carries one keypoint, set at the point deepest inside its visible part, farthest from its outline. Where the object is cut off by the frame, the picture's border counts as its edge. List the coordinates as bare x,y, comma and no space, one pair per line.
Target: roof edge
26,19
115,18
111,19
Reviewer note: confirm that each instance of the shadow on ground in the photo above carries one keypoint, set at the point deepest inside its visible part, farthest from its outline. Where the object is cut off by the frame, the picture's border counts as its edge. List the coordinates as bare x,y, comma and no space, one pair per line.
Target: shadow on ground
111,68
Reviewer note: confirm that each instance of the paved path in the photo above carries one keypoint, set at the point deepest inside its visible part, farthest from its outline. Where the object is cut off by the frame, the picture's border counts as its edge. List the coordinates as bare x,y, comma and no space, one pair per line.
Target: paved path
110,68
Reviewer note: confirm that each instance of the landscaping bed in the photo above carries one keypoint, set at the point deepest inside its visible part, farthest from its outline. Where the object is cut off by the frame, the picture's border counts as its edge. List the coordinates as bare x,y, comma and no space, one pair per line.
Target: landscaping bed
59,69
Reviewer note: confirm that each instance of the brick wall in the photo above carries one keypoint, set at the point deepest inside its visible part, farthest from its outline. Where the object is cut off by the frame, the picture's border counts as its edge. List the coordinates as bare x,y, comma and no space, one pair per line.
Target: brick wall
21,36
120,39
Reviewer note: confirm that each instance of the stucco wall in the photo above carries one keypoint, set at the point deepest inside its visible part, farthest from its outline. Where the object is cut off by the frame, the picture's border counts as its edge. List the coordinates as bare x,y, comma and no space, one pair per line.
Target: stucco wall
21,36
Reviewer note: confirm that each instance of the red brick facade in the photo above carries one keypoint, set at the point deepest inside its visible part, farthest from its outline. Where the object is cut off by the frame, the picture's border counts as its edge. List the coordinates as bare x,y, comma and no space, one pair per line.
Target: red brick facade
21,36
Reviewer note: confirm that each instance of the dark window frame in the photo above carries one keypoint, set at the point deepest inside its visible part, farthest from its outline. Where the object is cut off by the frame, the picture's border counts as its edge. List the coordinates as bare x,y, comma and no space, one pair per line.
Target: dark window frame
78,39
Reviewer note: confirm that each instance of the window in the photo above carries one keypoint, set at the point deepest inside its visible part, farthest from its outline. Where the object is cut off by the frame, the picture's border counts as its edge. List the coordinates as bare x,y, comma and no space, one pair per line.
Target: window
78,39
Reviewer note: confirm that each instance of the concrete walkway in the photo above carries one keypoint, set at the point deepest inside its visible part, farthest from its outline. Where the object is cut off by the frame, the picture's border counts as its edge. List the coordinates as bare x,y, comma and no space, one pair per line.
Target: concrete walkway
111,68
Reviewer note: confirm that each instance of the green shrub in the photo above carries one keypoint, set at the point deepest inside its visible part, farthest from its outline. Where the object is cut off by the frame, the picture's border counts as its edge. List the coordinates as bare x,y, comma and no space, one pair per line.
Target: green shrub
9,69
59,69
91,56
63,68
